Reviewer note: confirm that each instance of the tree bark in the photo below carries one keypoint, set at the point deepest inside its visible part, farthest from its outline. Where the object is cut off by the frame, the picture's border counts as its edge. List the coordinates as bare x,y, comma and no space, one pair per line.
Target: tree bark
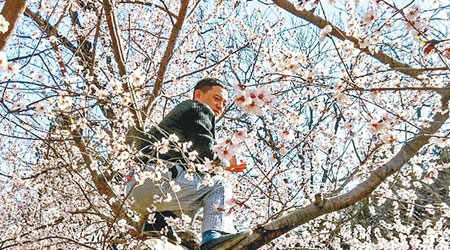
12,10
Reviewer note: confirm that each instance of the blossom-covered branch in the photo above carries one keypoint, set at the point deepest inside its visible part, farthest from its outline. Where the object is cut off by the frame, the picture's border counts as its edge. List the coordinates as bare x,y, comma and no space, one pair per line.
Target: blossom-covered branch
335,31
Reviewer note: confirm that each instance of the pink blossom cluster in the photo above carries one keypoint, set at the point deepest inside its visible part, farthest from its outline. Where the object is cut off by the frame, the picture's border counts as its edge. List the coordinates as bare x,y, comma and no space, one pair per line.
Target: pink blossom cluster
384,128
414,23
254,100
227,148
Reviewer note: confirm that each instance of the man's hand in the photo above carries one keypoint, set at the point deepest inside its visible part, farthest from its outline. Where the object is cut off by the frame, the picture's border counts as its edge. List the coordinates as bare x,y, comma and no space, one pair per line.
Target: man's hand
235,167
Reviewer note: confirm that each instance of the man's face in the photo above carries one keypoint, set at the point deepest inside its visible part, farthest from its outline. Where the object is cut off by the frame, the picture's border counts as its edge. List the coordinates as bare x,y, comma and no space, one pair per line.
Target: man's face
215,98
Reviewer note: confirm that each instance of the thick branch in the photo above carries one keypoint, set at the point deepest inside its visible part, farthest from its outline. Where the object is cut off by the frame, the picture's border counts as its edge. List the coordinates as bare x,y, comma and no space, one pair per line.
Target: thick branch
336,32
290,221
12,10
101,182
115,38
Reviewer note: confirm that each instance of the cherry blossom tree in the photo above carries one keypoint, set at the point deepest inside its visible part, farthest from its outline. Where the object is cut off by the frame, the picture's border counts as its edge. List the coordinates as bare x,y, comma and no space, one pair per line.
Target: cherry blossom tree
339,108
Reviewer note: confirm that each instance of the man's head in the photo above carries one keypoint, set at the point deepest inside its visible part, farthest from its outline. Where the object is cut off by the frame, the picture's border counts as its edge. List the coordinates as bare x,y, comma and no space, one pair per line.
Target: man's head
211,92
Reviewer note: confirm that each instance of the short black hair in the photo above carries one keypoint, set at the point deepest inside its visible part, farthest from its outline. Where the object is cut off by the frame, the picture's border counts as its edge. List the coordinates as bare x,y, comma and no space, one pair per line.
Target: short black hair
207,84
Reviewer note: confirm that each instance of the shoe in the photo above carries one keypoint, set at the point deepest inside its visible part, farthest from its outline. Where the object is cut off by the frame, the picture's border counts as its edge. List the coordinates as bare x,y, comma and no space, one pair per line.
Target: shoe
225,241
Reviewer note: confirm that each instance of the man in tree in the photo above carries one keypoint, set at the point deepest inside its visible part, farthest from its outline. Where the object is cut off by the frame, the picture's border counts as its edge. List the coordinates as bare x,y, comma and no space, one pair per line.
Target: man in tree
191,121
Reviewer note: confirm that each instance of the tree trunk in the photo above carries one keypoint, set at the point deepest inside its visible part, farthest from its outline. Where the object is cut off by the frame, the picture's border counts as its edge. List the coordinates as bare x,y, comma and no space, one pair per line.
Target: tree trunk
12,10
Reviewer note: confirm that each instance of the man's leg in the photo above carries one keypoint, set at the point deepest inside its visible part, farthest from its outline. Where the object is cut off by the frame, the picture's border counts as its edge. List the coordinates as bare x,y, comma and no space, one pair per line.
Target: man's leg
218,231
143,199
216,201
216,207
